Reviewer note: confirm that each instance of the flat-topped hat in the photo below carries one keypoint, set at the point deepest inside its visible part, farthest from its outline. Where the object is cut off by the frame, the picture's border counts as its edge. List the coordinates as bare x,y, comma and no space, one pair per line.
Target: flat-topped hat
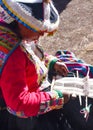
37,15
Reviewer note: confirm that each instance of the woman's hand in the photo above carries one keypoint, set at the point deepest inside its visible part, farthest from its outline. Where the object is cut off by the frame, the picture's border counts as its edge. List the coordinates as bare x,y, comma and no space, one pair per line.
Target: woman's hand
61,68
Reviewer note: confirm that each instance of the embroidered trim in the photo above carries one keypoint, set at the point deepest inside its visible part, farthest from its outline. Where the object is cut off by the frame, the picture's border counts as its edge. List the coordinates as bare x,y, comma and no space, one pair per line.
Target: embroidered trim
40,67
18,113
51,105
51,65
56,102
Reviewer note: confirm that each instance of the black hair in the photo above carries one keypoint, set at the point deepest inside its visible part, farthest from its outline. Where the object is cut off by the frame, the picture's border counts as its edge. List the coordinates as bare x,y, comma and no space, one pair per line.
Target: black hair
14,26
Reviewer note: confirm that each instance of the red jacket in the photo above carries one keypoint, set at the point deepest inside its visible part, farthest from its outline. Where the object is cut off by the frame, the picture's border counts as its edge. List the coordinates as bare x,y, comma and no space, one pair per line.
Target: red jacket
20,86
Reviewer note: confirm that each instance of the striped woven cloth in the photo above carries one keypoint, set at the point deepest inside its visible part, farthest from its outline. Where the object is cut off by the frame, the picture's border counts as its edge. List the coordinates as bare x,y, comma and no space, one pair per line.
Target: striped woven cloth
8,42
74,64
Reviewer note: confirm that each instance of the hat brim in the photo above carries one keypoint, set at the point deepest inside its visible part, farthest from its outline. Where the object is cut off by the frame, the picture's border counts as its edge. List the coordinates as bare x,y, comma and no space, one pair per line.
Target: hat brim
33,15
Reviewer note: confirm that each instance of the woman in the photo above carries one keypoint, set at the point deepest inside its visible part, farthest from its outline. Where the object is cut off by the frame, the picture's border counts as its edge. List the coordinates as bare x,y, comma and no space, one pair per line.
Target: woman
24,86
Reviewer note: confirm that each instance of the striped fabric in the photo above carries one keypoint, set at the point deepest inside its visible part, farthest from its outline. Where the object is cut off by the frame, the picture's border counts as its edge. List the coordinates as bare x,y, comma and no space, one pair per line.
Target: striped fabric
74,64
8,42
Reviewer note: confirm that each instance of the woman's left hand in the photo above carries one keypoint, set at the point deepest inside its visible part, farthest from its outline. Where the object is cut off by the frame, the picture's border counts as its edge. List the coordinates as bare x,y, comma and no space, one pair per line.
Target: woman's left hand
61,68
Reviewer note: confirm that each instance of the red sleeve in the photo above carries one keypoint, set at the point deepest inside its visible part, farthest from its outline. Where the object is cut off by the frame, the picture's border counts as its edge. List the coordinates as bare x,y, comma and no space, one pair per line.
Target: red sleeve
15,89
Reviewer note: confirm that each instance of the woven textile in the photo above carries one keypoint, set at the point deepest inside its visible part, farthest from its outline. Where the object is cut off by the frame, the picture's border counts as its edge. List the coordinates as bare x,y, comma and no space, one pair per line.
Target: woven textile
8,42
74,64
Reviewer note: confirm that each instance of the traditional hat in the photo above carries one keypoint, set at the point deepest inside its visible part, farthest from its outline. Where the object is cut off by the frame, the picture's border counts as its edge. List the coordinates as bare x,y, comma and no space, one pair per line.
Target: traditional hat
37,15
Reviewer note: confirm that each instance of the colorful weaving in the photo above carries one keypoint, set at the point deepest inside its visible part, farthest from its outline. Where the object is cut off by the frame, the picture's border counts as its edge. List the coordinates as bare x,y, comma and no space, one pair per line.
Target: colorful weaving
8,42
74,64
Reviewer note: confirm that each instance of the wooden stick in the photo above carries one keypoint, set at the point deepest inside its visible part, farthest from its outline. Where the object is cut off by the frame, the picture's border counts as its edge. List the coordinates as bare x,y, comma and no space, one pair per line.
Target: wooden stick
53,82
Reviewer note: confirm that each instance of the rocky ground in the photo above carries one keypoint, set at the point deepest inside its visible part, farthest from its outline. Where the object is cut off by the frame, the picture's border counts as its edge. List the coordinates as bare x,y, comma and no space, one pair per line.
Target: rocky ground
75,30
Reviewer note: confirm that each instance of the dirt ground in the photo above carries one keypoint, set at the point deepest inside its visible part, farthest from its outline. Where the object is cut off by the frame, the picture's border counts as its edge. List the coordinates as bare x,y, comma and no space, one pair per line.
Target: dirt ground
75,31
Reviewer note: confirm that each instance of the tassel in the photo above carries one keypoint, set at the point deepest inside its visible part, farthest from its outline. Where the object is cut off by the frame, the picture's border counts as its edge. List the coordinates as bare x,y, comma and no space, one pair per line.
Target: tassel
86,111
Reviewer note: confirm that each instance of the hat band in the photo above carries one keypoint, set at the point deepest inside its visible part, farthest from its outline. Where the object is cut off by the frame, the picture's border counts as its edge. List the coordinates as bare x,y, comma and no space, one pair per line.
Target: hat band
29,1
4,16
